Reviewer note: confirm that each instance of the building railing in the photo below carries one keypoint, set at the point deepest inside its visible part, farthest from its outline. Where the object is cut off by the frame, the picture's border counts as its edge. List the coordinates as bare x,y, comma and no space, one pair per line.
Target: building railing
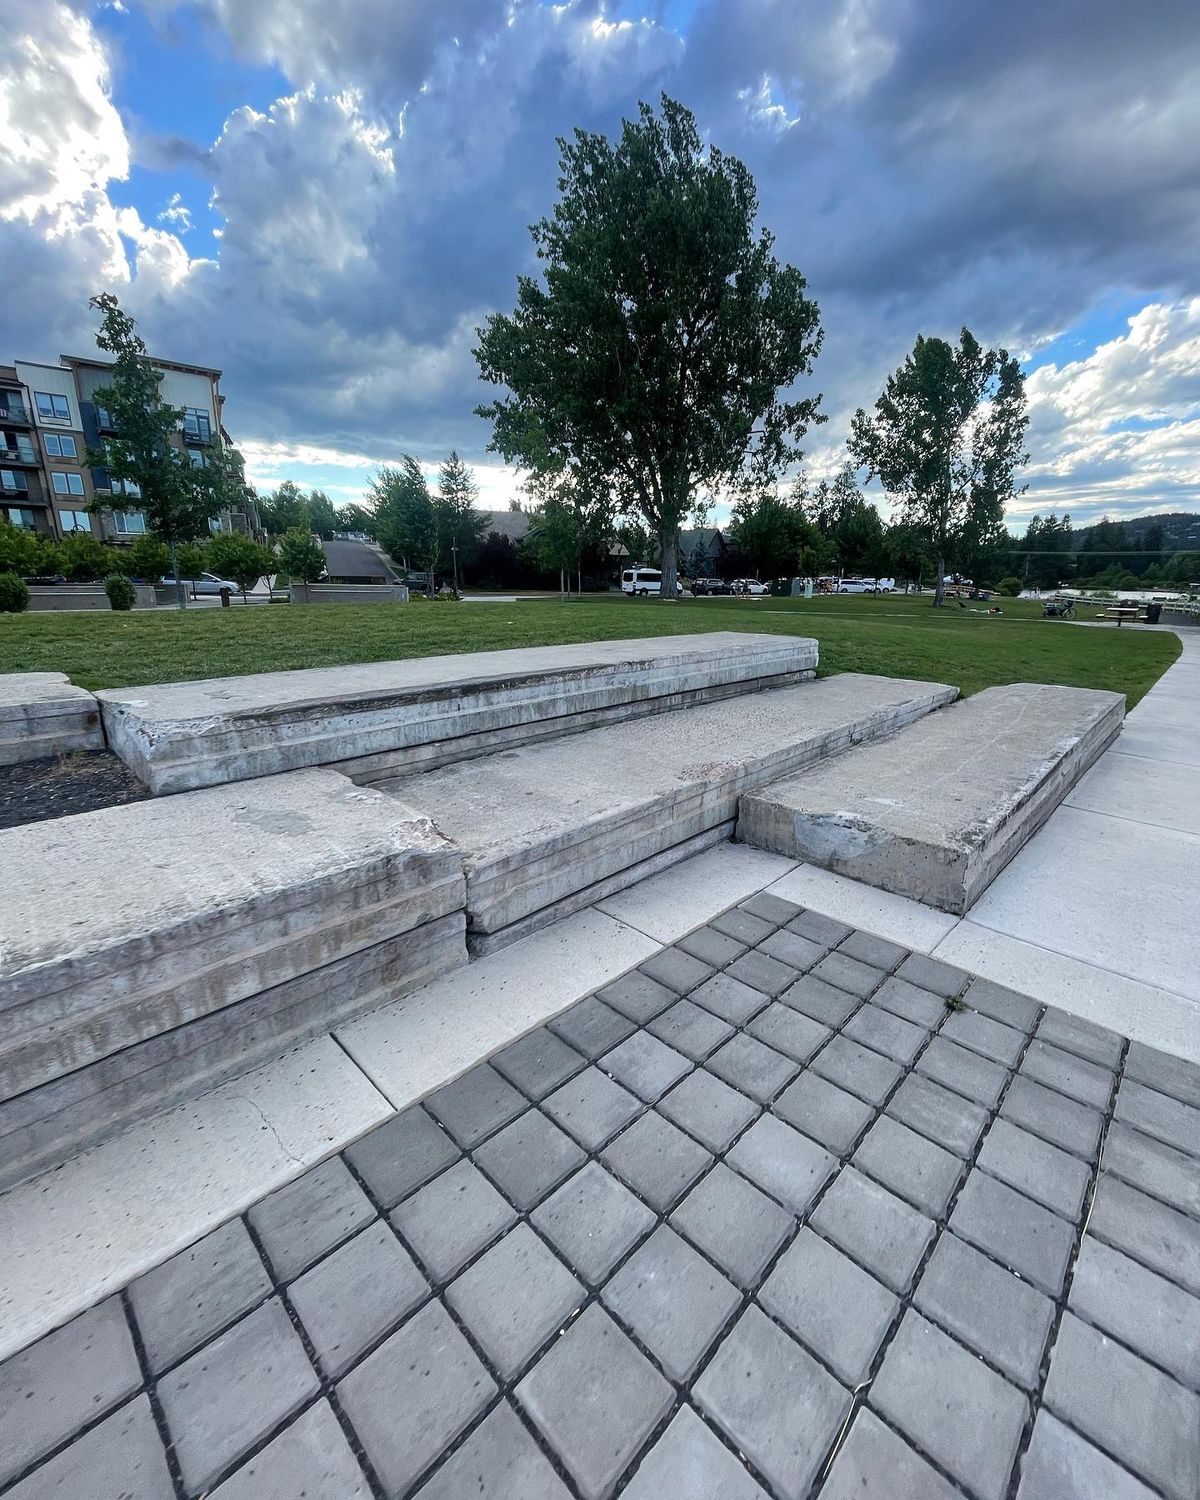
16,411
23,453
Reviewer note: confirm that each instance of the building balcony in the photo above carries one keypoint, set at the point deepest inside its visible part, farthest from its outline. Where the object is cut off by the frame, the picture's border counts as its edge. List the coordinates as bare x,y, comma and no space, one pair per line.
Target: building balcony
196,436
104,421
16,413
20,453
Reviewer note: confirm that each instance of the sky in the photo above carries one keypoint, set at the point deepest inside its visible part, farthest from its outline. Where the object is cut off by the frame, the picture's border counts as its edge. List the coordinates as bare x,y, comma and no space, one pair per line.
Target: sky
325,198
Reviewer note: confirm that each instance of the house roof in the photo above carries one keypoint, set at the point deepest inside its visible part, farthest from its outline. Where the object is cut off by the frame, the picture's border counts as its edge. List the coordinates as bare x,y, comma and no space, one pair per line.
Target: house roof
355,560
514,524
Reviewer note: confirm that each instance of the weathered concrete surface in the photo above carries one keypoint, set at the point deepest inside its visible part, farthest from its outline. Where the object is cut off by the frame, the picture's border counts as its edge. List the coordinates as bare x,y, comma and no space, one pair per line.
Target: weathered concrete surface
349,593
41,713
937,811
381,718
84,596
151,947
549,826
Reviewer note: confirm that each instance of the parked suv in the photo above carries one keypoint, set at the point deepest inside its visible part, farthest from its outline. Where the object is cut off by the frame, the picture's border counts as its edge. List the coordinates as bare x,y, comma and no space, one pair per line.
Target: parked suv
710,586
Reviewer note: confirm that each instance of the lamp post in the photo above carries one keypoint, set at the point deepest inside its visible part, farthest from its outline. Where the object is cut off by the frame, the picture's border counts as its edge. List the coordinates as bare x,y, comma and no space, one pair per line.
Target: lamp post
454,555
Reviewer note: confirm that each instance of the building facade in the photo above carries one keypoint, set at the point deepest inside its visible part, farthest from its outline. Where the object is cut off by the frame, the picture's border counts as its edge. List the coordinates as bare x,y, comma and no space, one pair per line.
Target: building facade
49,420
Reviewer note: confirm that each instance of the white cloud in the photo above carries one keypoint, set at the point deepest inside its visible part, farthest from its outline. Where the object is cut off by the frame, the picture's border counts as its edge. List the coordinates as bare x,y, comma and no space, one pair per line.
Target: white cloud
924,166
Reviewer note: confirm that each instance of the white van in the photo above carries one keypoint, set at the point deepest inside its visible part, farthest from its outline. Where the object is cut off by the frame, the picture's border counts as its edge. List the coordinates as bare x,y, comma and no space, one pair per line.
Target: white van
642,581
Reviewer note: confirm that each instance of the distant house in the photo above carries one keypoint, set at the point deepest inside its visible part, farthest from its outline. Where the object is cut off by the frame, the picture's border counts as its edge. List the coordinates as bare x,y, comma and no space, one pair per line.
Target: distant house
512,524
700,552
357,562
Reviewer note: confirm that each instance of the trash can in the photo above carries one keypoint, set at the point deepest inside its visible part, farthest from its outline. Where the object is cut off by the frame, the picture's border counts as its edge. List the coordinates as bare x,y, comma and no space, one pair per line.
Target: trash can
226,595
1153,611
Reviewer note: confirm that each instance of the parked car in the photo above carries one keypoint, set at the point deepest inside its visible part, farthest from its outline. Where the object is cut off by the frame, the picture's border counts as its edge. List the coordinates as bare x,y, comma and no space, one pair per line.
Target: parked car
853,586
749,588
206,583
710,586
882,585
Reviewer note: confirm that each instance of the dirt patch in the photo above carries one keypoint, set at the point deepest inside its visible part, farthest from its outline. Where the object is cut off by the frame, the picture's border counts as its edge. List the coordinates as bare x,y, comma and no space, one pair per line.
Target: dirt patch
64,784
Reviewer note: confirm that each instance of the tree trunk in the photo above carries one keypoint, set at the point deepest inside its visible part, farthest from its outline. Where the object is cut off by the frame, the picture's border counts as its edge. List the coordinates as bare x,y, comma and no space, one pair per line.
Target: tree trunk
668,540
562,586
180,591
939,588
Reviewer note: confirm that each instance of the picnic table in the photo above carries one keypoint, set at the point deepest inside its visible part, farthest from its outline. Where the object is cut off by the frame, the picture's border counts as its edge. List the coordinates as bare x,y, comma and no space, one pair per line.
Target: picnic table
1129,612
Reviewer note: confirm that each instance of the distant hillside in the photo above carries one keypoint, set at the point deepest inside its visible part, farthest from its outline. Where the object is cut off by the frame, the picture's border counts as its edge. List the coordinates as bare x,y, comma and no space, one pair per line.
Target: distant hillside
1181,530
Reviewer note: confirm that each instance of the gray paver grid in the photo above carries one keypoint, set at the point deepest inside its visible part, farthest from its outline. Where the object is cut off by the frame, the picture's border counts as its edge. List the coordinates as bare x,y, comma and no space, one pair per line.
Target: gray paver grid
769,1270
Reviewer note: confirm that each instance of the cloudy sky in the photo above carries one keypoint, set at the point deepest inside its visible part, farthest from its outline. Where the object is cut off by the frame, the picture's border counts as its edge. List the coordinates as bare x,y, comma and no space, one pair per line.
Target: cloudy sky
325,197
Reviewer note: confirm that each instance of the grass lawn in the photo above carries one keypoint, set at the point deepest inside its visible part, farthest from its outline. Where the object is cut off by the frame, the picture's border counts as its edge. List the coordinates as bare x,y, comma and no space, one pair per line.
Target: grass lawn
895,636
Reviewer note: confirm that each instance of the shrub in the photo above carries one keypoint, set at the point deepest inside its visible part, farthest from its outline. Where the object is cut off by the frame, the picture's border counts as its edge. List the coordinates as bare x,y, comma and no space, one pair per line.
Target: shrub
150,558
1010,587
121,593
14,596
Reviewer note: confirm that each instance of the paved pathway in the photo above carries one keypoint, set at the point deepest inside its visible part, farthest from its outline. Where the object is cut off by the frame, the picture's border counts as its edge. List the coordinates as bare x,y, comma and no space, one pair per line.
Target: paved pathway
786,1211
1104,897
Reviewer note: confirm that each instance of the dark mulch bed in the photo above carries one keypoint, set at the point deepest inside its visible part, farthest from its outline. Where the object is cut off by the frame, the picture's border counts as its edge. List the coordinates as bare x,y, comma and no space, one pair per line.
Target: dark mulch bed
65,784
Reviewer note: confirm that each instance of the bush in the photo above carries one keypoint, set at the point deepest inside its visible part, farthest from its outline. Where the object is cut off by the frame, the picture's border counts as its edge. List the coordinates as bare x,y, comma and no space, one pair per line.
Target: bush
1010,587
150,558
14,596
121,593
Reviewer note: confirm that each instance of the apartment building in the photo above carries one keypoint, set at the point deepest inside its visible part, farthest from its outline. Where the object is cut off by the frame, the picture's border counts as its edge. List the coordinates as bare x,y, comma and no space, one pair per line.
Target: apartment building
50,419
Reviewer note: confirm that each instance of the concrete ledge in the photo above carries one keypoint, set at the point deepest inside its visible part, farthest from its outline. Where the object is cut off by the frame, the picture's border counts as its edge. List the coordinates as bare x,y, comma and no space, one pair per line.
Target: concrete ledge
382,718
151,947
937,811
553,826
349,593
85,596
41,713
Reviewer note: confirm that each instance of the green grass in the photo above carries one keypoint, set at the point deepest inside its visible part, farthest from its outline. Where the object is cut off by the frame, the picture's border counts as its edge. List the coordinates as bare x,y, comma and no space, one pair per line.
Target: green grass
896,636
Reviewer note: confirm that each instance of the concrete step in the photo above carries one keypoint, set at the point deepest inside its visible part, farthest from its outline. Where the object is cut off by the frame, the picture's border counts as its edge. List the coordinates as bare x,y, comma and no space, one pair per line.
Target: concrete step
41,713
384,718
936,811
553,827
151,948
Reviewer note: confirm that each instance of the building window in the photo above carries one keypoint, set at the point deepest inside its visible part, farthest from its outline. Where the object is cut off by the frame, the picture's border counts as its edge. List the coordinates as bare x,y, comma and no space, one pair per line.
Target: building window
129,522
197,423
52,407
74,520
23,518
104,418
198,457
11,479
60,445
66,484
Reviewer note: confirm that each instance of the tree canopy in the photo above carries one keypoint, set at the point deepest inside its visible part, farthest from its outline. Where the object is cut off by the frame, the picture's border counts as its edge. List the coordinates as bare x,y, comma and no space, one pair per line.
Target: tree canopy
652,352
946,438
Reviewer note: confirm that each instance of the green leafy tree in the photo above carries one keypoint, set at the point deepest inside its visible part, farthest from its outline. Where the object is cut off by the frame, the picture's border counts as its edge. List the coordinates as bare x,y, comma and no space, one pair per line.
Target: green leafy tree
150,558
178,498
767,529
652,353
851,525
83,559
301,555
352,517
460,524
233,555
190,559
407,525
946,438
321,516
569,518
283,510
910,553
21,551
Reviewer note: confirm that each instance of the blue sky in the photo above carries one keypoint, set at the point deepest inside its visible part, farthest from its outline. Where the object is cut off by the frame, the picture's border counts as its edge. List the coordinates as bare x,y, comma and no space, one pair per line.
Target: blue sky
325,197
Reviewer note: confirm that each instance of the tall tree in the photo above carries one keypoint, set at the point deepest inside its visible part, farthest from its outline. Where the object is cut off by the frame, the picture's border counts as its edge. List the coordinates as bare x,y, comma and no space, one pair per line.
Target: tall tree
946,438
460,524
406,519
569,518
354,517
653,352
178,498
849,522
322,519
767,528
283,510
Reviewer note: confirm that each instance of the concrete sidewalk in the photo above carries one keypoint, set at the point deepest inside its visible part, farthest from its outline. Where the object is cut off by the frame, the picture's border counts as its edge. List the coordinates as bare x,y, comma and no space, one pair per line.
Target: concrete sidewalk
1098,912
